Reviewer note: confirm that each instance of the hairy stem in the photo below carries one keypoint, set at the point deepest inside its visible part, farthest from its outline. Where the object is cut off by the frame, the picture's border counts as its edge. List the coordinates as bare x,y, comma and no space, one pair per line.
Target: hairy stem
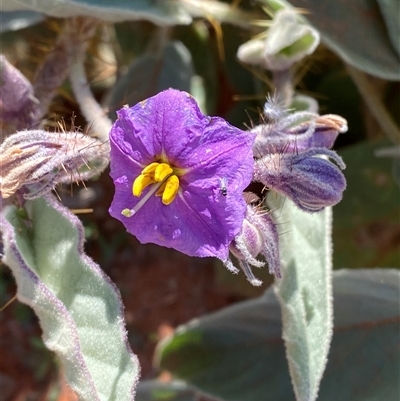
282,81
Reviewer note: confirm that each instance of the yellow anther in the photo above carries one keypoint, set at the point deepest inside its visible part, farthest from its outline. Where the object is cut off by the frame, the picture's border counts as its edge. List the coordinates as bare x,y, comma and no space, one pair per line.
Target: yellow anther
150,168
171,190
162,170
140,183
163,180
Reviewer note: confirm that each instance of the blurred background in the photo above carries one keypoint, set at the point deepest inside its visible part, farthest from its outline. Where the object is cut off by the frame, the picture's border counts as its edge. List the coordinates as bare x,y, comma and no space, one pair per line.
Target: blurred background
132,60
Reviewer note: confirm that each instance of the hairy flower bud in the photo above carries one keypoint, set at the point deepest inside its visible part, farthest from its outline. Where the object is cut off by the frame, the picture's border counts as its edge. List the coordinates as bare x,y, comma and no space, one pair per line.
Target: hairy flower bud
288,40
41,160
259,236
310,181
297,132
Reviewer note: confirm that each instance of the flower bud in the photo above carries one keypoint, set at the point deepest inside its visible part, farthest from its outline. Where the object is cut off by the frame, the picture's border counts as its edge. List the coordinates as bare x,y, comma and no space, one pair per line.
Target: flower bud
41,160
258,236
289,40
251,52
297,132
310,181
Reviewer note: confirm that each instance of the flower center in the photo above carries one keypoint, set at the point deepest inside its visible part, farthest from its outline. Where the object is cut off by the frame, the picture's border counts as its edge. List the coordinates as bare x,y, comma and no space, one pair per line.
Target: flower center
165,184
161,173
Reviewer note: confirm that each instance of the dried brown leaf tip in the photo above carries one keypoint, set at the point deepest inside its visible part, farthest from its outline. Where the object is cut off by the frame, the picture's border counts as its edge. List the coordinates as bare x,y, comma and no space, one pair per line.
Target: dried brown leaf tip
39,160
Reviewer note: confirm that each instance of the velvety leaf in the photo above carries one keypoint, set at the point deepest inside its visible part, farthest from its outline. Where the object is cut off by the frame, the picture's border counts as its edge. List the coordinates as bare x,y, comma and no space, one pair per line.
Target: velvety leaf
154,390
237,354
165,12
356,31
391,13
364,362
161,12
305,293
79,308
367,219
150,74
15,20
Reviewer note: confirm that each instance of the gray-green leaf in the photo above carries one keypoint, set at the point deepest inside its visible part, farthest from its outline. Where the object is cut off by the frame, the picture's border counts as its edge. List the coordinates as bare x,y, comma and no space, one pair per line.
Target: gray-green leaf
160,12
79,308
356,31
364,361
237,354
166,12
391,13
305,293
13,21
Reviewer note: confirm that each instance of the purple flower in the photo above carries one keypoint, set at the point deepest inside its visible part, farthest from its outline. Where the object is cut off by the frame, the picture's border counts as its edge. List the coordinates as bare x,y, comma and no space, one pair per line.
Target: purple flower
311,182
168,163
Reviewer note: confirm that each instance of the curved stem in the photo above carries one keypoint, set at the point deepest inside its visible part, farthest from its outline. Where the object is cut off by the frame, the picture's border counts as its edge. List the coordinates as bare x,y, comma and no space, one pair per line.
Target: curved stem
90,108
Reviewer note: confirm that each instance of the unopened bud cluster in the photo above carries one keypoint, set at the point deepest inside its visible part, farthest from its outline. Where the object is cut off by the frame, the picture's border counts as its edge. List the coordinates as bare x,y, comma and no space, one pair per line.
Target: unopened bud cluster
291,157
37,161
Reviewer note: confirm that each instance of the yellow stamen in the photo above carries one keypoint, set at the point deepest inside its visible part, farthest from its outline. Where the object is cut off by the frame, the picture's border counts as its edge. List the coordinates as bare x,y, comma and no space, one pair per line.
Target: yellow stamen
162,170
150,168
140,183
171,190
164,181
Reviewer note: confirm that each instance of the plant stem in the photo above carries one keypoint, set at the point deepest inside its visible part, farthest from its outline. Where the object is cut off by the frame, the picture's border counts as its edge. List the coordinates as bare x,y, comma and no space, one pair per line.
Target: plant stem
282,81
94,114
